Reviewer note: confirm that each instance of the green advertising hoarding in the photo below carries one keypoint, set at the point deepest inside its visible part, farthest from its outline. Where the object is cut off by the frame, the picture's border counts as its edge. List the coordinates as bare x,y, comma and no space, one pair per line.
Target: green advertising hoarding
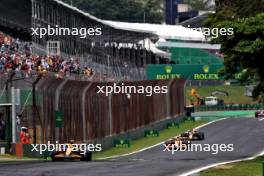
151,133
122,143
192,72
59,119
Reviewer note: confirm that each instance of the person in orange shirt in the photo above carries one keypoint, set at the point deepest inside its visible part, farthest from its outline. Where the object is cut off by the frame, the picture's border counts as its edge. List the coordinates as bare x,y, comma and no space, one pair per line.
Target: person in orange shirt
24,136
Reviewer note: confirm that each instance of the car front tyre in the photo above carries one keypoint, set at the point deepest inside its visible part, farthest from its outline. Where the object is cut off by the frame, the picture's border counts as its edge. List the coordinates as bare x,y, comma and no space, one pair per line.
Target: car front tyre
201,136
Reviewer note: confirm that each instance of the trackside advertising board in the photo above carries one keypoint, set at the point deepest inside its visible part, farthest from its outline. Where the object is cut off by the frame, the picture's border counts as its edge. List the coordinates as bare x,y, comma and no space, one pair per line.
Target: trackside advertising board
192,72
59,119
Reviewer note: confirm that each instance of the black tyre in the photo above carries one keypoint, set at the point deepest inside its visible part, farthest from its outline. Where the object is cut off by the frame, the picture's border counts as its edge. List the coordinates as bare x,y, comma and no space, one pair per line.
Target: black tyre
221,102
201,136
87,156
57,159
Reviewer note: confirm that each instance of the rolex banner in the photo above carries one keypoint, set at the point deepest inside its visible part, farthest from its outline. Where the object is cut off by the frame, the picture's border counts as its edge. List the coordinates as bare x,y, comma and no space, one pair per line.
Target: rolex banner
192,72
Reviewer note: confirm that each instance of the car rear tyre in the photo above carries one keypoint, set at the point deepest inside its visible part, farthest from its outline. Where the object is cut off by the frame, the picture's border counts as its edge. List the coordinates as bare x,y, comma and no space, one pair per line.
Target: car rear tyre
87,157
54,159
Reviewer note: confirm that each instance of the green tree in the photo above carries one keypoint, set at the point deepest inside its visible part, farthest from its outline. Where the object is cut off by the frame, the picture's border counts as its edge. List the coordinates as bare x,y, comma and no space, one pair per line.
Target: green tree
197,4
243,51
122,10
241,8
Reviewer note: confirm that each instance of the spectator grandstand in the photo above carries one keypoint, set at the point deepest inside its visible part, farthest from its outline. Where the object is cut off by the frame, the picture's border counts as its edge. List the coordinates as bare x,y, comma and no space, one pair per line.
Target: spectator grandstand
17,55
117,54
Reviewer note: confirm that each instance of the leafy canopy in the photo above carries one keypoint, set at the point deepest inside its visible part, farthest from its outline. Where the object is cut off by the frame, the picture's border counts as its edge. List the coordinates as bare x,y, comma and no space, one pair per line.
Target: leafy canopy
243,51
122,10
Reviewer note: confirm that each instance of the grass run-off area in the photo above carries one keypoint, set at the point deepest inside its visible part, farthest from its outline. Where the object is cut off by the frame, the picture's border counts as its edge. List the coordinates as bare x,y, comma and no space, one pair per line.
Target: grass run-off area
236,93
243,168
149,141
13,158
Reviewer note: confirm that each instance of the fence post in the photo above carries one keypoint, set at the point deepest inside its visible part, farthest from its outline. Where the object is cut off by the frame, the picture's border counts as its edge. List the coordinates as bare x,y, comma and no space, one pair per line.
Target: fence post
110,114
13,115
168,97
56,103
83,111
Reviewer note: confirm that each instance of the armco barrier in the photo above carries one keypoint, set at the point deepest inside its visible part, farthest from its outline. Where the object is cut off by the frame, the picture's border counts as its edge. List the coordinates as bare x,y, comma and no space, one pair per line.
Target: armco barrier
230,107
89,116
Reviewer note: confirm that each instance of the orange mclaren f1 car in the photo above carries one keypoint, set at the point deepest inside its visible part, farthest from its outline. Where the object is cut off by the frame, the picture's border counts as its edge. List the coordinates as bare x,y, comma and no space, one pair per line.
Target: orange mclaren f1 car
71,152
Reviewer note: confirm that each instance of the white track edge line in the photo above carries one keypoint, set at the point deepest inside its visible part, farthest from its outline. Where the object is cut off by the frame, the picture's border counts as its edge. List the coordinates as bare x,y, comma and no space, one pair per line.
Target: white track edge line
221,163
147,148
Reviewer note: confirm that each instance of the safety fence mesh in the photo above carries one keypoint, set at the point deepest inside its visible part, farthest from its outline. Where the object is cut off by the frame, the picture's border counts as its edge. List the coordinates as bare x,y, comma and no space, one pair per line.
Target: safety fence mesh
89,115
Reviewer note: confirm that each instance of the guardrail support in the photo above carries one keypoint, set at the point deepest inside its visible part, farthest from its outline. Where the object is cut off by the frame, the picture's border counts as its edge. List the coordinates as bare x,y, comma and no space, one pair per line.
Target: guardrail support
168,98
56,103
83,111
13,95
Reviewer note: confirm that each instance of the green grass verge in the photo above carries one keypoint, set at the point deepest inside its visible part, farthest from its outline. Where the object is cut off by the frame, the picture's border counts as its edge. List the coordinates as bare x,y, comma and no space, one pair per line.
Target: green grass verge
11,158
244,168
8,156
146,142
236,93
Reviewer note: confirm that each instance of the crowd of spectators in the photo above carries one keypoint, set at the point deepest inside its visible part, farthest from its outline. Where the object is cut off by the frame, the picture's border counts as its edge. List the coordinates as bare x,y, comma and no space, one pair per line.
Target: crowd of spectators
18,56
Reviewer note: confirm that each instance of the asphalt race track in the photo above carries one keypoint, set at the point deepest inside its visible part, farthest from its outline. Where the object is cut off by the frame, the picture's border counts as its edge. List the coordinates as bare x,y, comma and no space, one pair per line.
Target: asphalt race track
245,133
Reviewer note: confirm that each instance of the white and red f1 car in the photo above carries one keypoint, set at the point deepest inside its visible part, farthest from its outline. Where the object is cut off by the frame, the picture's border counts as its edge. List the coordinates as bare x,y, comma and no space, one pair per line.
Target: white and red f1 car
259,113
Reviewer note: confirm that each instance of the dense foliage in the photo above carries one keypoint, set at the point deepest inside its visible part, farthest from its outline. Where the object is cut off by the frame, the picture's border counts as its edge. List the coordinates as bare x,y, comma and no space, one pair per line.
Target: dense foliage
122,10
243,51
199,4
